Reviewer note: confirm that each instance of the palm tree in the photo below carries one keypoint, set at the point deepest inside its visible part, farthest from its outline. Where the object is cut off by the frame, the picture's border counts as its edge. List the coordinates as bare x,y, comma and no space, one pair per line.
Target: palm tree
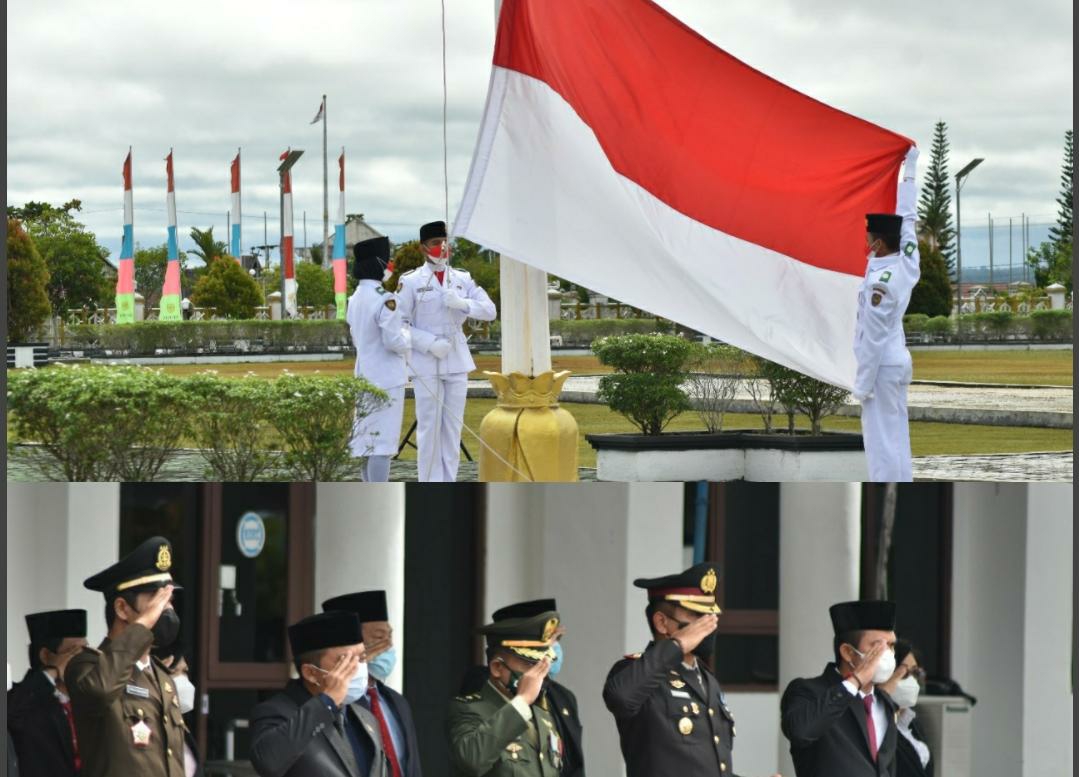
208,249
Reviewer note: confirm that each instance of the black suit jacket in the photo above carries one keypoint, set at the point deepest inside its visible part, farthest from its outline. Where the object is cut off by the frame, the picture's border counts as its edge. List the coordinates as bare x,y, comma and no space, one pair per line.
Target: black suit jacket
399,705
12,761
293,735
827,730
907,760
563,708
39,728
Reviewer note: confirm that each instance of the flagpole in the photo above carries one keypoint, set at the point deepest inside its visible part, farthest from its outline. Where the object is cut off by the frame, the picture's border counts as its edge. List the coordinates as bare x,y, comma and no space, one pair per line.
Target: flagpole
325,190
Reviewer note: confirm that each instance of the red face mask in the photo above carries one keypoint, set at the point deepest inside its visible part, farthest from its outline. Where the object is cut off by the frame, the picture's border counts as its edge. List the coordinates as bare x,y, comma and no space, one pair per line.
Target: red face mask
437,252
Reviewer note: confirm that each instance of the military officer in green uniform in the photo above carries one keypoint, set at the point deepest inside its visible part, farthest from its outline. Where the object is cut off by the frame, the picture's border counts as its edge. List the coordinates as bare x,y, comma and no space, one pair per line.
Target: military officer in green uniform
125,705
672,716
506,728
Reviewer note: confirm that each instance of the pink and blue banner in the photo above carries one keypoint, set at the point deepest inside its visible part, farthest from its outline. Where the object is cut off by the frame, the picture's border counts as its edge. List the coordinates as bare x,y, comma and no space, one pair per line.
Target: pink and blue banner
340,263
125,277
170,293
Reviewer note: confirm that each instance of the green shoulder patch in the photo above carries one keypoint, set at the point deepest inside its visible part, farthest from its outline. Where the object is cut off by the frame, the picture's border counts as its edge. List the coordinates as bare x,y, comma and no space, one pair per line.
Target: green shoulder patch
381,290
908,249
886,276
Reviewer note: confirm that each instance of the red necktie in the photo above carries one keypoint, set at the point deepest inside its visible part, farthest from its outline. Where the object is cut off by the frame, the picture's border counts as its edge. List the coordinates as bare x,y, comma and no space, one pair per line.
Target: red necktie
440,274
74,739
384,729
870,725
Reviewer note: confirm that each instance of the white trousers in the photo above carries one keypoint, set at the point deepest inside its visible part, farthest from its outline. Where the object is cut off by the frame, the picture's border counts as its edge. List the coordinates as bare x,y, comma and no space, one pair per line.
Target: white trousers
379,433
440,411
885,427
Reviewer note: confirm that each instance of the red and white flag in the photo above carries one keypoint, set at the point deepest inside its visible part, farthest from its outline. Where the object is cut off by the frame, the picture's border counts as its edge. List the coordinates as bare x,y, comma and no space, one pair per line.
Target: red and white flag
622,151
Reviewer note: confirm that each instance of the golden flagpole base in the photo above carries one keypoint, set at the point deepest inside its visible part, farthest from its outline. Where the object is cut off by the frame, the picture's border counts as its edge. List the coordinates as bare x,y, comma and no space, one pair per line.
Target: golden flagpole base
535,439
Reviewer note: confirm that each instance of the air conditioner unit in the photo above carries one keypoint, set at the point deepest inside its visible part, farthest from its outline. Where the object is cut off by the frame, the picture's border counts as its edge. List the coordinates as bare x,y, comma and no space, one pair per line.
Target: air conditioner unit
945,722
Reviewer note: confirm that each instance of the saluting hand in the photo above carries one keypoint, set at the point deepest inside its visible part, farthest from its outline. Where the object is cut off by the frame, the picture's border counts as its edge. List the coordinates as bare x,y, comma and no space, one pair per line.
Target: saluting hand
868,665
531,682
335,684
693,634
160,600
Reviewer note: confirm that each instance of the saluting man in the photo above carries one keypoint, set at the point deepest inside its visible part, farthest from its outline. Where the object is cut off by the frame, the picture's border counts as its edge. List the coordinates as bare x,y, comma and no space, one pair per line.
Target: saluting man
506,728
435,301
382,343
880,346
127,711
672,716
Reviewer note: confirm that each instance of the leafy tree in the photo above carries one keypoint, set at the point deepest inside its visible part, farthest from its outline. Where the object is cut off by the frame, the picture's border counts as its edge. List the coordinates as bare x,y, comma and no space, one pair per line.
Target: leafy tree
206,247
228,288
1061,233
314,285
406,257
79,274
316,254
27,282
933,294
150,266
935,203
474,259
1051,263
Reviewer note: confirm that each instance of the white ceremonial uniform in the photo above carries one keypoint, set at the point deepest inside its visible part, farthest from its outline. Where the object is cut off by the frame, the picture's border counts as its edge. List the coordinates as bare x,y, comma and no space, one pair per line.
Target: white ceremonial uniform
880,347
382,342
440,384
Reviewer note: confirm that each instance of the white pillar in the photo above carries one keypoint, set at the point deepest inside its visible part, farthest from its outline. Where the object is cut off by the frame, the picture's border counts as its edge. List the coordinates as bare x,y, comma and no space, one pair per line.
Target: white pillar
1047,633
360,545
93,543
819,559
584,547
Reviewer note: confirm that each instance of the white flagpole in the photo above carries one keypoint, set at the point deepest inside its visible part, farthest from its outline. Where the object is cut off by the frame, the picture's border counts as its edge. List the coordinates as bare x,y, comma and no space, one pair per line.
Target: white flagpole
325,192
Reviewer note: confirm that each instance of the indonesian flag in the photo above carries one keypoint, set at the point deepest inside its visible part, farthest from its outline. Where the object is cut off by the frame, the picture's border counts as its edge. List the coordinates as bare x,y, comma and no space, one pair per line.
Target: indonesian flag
170,292
340,262
234,175
624,152
287,267
125,276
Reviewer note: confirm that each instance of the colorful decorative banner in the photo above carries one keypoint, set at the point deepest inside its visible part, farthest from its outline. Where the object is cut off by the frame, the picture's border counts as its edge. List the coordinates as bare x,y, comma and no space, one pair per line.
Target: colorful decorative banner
288,268
235,213
125,276
340,263
170,293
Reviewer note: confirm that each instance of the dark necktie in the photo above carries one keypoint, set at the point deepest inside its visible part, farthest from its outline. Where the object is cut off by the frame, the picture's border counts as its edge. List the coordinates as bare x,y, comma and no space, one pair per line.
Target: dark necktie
74,739
870,725
384,729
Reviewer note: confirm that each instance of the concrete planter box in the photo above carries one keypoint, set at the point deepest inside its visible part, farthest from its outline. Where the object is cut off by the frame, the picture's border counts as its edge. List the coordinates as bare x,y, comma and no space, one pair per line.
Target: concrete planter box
22,355
735,455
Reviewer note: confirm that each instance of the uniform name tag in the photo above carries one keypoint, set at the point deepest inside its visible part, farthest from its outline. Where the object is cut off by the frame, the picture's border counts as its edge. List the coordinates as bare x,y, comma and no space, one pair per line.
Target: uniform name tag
680,694
135,690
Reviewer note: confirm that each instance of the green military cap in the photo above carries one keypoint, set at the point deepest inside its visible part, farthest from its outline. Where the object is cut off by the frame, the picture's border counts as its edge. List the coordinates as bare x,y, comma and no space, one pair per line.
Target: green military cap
146,568
531,637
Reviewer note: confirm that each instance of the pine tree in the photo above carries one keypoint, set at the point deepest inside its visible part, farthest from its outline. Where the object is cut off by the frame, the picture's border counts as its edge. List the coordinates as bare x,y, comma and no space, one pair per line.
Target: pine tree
1061,233
935,203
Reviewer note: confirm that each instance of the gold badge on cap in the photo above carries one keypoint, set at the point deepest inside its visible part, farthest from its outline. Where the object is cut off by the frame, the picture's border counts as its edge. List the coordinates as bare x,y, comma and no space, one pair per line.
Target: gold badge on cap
708,582
550,628
685,726
164,558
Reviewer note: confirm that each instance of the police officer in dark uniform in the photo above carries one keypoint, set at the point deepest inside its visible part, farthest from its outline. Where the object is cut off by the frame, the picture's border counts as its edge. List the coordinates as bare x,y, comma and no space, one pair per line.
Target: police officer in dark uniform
126,708
507,728
39,716
672,715
563,702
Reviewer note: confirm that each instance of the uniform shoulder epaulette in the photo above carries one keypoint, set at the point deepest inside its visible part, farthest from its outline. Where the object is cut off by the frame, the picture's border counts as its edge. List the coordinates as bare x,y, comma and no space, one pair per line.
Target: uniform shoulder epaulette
633,655
381,289
92,650
468,698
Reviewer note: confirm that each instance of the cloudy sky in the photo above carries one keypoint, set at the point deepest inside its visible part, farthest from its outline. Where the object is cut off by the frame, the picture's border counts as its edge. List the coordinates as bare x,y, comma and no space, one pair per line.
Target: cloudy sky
85,81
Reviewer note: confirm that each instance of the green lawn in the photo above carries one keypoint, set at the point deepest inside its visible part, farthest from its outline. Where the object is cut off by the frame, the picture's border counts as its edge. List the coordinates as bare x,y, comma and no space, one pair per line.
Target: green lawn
1018,367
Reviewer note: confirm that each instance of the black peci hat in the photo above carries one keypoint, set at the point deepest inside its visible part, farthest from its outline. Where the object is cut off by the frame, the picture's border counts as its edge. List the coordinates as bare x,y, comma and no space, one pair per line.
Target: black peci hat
694,589
371,257
883,223
146,568
55,624
432,229
369,606
862,615
324,630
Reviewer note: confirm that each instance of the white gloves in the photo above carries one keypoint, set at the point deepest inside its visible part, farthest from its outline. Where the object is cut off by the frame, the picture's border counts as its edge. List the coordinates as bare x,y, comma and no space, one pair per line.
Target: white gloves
454,301
910,163
860,397
439,348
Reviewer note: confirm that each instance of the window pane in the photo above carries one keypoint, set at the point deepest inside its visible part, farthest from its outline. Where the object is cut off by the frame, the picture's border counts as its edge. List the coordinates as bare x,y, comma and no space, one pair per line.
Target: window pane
750,572
745,660
253,594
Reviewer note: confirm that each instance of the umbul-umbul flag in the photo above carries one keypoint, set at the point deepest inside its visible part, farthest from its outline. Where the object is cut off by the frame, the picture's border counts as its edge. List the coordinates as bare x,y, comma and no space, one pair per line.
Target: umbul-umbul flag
170,291
125,270
622,151
288,267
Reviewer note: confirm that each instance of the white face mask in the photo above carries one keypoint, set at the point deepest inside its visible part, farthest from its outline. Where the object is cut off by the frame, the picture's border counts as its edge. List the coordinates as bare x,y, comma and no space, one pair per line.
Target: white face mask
885,666
906,692
185,692
357,686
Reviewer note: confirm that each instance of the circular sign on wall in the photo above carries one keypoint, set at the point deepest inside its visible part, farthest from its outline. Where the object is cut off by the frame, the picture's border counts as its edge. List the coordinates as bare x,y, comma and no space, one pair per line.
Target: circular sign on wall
251,534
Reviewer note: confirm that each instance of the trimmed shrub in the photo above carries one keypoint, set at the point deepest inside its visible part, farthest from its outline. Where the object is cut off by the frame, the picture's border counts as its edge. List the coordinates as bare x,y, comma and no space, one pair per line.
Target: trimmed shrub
586,331
938,326
149,337
798,393
647,387
231,426
1051,324
914,323
717,370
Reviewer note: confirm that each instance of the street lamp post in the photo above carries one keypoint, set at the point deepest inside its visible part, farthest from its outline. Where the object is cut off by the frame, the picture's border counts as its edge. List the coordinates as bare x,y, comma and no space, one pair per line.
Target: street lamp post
962,174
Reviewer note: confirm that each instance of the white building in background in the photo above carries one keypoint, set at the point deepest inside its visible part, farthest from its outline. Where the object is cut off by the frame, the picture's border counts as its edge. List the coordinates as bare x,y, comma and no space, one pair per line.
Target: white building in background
451,556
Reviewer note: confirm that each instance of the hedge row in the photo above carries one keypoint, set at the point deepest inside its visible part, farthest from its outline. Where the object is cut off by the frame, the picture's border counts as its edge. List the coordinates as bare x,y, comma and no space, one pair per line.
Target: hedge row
583,332
997,325
149,337
125,423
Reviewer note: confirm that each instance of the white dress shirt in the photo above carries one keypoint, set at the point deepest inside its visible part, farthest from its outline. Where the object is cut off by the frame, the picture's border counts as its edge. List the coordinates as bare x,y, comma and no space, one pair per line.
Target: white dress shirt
880,713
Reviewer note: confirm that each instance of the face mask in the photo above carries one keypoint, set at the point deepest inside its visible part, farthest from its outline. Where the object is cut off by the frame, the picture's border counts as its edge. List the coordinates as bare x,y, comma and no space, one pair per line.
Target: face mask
185,692
906,692
166,629
514,681
381,666
357,686
885,666
556,663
